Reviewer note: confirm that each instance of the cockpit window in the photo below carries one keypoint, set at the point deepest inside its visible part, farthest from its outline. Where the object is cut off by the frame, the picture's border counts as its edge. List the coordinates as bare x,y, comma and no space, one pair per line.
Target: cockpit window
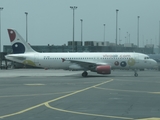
146,58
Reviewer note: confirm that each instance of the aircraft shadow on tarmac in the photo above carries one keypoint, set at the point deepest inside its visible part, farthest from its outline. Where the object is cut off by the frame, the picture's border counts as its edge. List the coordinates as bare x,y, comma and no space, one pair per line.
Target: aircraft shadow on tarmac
111,76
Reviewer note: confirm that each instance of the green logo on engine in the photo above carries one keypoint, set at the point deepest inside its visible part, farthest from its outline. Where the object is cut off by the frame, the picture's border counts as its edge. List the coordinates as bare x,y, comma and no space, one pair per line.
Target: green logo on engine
131,62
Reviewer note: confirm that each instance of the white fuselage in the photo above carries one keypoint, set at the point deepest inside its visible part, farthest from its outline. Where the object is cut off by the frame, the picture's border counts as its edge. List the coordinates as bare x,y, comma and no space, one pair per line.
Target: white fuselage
74,60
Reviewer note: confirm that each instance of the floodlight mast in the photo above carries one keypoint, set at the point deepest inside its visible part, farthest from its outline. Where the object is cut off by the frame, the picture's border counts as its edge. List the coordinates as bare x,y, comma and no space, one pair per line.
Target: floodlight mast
73,8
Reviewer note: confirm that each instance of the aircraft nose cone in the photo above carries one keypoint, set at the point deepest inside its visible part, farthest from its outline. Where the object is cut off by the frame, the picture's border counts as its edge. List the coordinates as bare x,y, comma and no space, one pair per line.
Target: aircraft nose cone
155,64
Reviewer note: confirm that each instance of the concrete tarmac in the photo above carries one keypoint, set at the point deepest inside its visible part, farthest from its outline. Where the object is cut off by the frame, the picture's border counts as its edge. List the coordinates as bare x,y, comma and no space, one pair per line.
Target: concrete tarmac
37,94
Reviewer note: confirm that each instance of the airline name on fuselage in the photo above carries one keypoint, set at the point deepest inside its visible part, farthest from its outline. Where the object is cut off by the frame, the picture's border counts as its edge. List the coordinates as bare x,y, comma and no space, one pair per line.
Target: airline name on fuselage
115,56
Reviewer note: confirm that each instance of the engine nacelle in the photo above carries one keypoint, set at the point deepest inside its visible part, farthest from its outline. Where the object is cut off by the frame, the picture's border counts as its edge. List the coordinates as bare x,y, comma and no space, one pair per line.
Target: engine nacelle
104,69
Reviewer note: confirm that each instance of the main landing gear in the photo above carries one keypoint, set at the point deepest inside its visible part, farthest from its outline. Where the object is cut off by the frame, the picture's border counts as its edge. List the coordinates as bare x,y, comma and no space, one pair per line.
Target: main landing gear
135,73
84,74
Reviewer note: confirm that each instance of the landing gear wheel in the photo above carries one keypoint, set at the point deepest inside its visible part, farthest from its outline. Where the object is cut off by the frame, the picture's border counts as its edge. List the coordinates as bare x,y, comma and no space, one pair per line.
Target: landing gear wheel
136,74
84,74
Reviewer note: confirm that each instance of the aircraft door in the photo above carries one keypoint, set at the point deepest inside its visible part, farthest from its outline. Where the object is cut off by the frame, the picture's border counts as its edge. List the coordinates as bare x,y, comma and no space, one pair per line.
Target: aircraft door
136,57
36,59
141,62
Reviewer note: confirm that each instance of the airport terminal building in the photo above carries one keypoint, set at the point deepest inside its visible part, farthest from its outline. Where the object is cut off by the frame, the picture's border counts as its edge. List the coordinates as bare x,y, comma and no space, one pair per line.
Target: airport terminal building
89,46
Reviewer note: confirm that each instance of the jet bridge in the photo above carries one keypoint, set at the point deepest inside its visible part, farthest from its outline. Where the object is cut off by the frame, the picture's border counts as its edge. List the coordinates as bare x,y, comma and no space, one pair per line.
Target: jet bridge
3,61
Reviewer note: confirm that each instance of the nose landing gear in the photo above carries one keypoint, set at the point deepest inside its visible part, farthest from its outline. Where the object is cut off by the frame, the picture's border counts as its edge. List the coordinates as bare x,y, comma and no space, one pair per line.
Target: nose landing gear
135,73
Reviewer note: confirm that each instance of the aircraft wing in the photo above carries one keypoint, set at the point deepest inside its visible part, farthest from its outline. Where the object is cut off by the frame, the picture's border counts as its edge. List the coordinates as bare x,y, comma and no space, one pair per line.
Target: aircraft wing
85,64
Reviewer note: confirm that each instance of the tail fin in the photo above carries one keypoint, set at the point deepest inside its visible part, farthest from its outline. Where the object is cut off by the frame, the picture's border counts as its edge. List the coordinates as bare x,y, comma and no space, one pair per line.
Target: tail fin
18,43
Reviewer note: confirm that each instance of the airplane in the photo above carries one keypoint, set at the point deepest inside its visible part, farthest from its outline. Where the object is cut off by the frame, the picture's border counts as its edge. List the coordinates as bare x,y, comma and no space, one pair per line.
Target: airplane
156,57
100,62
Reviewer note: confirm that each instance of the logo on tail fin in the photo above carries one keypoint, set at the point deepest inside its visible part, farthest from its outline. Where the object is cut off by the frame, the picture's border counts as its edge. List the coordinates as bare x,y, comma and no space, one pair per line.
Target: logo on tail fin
18,43
18,48
12,35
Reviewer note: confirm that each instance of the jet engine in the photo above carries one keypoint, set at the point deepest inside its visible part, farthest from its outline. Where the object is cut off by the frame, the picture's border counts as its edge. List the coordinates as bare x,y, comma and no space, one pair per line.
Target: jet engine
104,69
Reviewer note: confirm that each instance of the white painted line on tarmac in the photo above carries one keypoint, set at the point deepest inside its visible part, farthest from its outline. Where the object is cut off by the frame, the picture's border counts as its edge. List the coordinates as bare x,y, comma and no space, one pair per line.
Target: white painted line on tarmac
36,84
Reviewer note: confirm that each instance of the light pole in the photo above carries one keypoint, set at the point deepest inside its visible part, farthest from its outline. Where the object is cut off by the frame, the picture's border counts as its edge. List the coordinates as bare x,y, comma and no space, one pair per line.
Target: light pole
116,24
26,27
81,32
73,8
119,36
104,32
127,37
159,37
138,31
1,8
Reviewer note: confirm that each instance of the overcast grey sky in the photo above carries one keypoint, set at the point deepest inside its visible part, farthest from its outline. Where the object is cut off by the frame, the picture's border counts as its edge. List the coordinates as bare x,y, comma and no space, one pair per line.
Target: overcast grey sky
51,21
